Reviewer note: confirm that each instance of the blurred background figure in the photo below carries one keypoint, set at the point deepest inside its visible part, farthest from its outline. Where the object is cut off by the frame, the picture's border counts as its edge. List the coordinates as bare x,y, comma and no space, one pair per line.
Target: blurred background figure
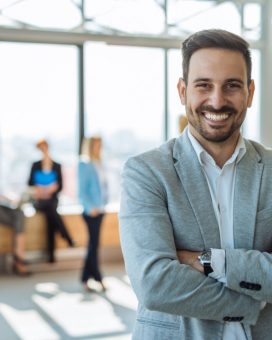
46,182
182,122
13,217
93,197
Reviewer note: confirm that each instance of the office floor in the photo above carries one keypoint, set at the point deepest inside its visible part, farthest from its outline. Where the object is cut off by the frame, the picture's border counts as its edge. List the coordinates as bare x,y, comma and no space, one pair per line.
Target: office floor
51,305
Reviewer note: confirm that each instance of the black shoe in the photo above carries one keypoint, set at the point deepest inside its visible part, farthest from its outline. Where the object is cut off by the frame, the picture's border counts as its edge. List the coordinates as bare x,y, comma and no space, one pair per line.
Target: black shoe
20,269
18,259
51,259
73,243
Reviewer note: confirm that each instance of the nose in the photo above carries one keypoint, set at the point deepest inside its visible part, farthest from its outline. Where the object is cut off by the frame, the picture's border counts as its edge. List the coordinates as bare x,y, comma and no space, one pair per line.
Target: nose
217,98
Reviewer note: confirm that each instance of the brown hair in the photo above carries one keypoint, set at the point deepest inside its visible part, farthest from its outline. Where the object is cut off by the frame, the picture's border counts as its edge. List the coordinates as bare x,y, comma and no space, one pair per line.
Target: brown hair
41,142
214,38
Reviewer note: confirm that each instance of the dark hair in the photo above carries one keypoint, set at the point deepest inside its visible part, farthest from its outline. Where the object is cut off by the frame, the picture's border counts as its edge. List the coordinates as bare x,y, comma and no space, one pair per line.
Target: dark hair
214,38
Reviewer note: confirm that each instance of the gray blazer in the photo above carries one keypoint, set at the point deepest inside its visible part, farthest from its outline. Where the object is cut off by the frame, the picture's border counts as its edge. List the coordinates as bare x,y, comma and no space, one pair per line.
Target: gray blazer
165,206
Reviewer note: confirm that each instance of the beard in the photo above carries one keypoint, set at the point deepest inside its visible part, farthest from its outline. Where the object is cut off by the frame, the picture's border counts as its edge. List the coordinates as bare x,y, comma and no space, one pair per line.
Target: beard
218,133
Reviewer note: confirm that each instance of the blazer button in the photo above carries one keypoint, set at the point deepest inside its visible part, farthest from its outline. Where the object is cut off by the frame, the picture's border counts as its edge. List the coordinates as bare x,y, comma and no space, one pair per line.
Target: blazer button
243,284
237,318
257,286
233,318
227,318
250,285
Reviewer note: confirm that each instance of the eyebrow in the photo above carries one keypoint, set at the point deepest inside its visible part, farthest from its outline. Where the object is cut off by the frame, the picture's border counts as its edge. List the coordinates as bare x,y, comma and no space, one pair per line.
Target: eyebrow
227,81
236,80
201,79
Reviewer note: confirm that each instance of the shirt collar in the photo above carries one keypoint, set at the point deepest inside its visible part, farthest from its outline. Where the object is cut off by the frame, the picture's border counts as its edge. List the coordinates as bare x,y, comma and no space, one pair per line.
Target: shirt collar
204,157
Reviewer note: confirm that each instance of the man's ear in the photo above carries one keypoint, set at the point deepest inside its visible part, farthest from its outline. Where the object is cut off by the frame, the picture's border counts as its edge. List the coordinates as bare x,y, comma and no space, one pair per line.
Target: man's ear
181,90
251,90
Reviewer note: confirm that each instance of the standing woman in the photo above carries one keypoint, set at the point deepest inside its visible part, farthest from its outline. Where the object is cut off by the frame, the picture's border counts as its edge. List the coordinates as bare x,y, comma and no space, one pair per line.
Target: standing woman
46,180
93,196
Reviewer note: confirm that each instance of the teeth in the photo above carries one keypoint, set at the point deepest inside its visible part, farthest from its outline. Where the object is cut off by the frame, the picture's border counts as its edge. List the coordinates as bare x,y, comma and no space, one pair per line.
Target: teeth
216,117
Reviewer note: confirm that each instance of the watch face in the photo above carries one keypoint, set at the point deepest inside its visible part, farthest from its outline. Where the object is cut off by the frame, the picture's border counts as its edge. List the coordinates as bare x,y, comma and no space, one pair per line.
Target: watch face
205,257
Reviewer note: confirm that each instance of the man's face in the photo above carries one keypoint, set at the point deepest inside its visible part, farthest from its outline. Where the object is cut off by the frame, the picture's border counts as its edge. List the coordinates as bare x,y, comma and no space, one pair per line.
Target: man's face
217,94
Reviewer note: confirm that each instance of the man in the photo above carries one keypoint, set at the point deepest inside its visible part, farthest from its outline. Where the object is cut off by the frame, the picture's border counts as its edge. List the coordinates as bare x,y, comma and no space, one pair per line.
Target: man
196,213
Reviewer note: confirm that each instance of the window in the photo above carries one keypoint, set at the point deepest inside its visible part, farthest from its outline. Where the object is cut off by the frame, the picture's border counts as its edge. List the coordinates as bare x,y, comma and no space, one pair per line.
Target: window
124,102
39,98
174,104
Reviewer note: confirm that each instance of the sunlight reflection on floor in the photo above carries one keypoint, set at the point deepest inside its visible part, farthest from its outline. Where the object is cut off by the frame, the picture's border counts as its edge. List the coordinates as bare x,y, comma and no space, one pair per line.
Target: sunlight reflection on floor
77,314
80,317
120,293
29,325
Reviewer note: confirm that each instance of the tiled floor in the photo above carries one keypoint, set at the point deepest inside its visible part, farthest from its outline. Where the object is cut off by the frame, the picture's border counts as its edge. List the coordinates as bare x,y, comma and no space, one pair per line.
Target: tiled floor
52,306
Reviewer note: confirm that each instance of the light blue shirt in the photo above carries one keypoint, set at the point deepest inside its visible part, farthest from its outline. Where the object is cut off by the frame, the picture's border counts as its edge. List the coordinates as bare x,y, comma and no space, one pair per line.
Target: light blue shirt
89,189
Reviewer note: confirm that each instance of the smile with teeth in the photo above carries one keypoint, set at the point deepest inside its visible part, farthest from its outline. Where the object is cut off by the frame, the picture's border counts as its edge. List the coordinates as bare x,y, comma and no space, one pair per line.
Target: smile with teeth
216,117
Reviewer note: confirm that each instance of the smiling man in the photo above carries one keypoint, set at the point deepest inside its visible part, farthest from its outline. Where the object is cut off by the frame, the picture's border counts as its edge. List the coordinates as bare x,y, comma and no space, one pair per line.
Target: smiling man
196,213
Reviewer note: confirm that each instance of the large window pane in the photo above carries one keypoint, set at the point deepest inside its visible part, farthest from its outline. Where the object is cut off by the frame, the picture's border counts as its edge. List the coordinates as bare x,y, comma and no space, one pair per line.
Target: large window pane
61,14
124,102
141,16
174,104
38,87
251,126
192,16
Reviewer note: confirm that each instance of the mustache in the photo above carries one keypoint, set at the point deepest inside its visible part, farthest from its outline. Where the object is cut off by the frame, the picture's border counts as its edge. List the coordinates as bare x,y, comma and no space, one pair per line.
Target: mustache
211,109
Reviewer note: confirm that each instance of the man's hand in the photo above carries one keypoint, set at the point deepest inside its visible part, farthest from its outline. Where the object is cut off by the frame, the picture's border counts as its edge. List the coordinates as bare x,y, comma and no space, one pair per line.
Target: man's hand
190,258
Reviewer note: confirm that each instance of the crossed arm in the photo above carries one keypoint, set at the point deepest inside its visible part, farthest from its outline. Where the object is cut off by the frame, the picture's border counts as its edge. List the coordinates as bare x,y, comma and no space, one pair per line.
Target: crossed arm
160,282
190,258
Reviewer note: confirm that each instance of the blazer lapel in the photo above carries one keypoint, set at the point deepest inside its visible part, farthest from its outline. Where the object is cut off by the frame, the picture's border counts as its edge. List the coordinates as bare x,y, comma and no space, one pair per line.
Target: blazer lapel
195,185
248,177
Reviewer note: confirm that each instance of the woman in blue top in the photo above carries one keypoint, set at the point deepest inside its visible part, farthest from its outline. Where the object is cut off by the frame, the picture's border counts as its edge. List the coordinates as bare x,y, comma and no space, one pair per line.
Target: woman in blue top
46,180
92,195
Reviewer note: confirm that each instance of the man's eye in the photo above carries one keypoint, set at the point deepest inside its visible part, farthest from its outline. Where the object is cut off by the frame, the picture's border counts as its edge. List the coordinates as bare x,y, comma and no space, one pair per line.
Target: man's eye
203,85
233,85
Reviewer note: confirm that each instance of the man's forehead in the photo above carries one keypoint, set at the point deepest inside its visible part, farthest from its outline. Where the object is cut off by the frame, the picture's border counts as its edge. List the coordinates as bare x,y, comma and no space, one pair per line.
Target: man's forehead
217,62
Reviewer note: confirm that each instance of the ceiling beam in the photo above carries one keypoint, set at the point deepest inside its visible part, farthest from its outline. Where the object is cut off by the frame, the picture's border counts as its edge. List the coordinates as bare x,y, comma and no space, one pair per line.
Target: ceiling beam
79,38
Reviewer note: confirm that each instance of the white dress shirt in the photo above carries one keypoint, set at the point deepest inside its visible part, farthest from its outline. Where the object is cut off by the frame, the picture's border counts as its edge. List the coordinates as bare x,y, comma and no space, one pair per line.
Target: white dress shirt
221,184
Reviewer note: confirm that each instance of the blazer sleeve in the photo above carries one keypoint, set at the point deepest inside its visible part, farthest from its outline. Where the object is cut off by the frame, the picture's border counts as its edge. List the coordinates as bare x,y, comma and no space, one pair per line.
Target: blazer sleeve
250,272
160,282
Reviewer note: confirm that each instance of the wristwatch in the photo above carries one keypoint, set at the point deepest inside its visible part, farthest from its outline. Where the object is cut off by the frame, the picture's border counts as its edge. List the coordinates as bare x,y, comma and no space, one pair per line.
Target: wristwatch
205,260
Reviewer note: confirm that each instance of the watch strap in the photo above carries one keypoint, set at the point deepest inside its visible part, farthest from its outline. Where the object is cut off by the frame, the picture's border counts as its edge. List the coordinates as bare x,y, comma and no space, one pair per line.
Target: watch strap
207,268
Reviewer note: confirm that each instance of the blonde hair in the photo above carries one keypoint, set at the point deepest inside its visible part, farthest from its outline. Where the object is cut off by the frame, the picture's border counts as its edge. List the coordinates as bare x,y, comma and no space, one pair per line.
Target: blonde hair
183,122
88,144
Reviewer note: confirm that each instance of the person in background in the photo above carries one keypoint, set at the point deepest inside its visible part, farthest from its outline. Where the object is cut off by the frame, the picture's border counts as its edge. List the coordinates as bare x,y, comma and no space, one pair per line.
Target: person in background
196,212
182,123
92,191
46,182
13,217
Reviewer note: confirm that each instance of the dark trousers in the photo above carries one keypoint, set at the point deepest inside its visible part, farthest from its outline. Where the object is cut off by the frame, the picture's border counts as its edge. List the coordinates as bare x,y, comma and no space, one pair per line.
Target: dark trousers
54,224
91,264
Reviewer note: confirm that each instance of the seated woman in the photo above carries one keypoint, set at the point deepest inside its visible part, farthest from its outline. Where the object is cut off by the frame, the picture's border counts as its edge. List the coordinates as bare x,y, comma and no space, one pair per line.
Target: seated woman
14,218
46,180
